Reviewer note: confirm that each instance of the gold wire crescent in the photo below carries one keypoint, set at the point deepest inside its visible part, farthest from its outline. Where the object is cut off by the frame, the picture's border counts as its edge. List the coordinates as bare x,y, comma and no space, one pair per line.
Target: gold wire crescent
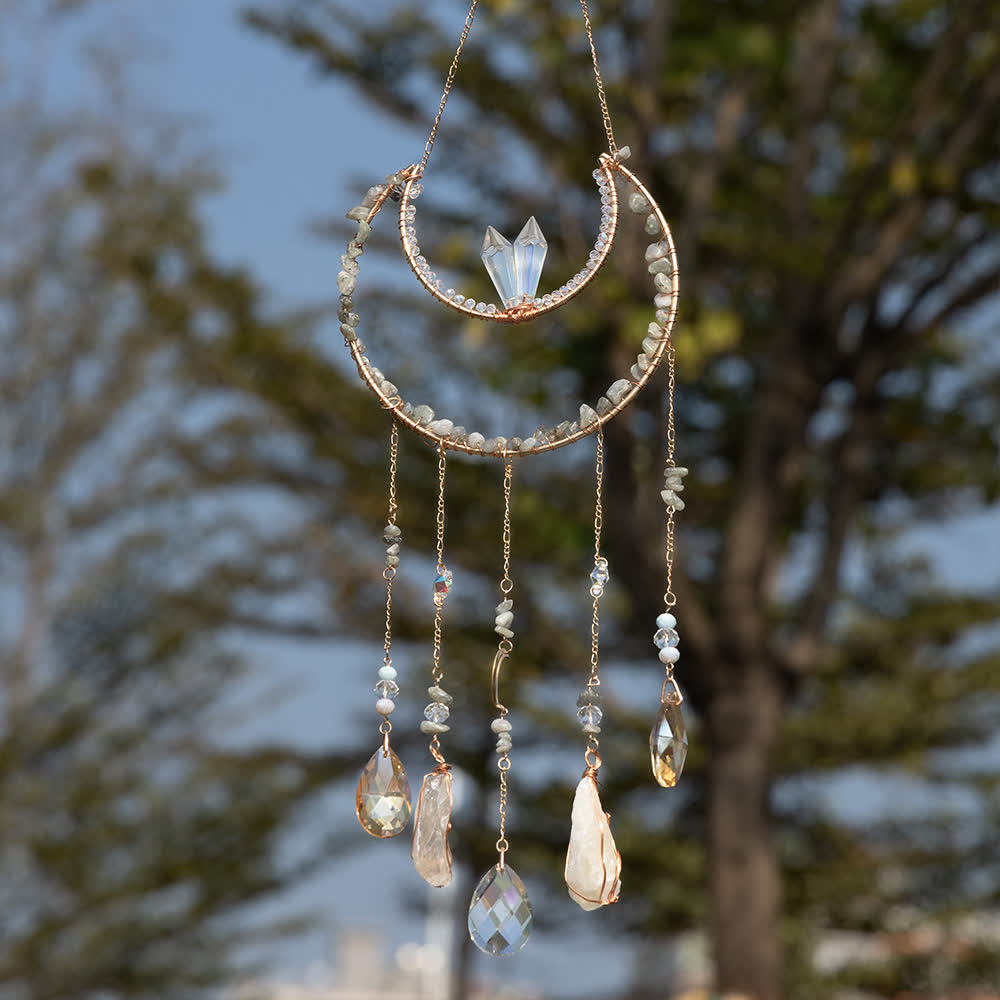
394,403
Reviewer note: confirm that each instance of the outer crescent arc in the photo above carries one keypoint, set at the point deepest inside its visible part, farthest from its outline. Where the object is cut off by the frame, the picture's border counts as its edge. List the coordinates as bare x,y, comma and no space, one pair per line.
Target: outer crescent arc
395,403
607,167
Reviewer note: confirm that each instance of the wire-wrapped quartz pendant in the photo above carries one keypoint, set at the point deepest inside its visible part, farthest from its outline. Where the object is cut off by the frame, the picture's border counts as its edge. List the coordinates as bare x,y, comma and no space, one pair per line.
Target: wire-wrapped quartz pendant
593,864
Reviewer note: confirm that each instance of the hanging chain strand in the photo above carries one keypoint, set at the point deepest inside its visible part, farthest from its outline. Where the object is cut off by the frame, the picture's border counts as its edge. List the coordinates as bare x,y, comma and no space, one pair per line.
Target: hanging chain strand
592,755
470,17
450,81
669,599
389,573
437,673
503,651
612,145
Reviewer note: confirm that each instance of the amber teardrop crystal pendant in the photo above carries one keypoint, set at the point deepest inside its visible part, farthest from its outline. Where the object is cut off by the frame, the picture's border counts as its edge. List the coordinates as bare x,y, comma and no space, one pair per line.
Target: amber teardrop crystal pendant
383,798
668,743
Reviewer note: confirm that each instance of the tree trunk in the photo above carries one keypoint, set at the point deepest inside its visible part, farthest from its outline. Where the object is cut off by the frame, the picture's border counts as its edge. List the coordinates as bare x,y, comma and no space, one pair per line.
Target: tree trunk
743,721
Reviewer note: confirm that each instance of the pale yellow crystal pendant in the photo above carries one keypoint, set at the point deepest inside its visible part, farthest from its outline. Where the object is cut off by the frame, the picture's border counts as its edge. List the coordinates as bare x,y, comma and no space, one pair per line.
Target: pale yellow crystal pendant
593,864
431,823
383,799
668,744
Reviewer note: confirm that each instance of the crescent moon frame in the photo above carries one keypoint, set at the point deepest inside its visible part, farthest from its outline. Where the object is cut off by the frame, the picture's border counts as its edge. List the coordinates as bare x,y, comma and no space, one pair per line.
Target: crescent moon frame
662,258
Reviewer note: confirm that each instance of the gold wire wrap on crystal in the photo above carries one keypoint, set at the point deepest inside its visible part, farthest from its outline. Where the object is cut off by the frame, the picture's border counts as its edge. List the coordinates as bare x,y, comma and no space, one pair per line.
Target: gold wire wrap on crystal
395,403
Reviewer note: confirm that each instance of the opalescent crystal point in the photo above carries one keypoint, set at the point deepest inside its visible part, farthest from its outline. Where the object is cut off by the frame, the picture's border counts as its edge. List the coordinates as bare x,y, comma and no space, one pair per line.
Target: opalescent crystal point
383,797
668,744
500,915
498,258
431,822
593,864
530,249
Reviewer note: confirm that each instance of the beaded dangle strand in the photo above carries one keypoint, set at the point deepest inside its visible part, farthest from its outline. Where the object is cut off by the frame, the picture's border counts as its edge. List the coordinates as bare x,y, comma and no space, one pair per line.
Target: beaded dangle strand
593,864
668,741
500,915
431,852
383,800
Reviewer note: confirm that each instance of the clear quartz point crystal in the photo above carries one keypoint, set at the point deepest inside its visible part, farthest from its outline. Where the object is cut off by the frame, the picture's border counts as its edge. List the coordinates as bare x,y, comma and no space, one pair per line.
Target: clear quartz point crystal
668,744
500,915
593,864
383,797
431,823
498,258
530,249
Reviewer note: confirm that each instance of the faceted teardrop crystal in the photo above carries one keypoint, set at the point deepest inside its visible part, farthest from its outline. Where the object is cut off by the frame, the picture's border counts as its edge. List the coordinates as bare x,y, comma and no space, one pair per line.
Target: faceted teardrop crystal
498,257
383,798
431,823
593,864
668,744
500,914
530,249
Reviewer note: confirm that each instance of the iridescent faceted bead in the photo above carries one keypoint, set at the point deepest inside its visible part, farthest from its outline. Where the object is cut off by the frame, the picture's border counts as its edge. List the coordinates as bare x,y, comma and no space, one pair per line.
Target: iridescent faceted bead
443,582
387,689
666,637
436,712
600,575
590,715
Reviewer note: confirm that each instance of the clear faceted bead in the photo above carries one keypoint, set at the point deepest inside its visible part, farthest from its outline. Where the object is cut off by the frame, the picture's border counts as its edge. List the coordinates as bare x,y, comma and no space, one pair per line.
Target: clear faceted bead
668,744
387,689
590,715
383,797
436,712
530,249
443,582
500,915
666,637
600,576
431,852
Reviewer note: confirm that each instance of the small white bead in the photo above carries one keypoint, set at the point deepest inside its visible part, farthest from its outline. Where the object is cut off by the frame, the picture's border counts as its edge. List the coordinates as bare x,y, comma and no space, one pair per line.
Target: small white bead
500,726
670,654
666,620
386,673
385,706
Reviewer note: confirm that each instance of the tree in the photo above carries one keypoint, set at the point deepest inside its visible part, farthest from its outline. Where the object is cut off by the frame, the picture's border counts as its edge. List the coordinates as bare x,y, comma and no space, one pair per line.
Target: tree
831,171
134,839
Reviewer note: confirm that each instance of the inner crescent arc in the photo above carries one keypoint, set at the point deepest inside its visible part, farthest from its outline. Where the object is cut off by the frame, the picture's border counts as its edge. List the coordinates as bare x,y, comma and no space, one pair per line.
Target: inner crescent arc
606,168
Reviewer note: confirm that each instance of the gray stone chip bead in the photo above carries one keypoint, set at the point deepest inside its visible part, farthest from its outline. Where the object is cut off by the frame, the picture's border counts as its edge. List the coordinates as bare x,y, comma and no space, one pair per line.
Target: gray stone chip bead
603,406
505,632
504,745
364,231
656,331
346,283
623,154
637,203
439,695
505,619
392,561
663,300
589,729
653,226
528,444
500,726
434,728
616,391
476,440
505,605
649,346
358,213
588,696
663,282
348,331
442,427
587,415
423,414
663,265
656,250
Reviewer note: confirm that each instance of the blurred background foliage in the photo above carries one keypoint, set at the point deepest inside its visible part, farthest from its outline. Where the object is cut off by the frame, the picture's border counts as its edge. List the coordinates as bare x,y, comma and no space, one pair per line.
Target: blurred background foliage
181,463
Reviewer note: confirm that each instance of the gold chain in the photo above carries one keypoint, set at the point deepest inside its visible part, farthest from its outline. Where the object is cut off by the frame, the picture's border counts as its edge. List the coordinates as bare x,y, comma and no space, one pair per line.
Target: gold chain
595,626
669,599
389,573
437,673
612,145
450,81
506,584
470,17
503,651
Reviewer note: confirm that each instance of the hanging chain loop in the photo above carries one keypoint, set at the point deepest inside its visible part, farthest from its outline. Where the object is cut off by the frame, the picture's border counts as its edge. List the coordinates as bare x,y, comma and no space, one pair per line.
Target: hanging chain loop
450,81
